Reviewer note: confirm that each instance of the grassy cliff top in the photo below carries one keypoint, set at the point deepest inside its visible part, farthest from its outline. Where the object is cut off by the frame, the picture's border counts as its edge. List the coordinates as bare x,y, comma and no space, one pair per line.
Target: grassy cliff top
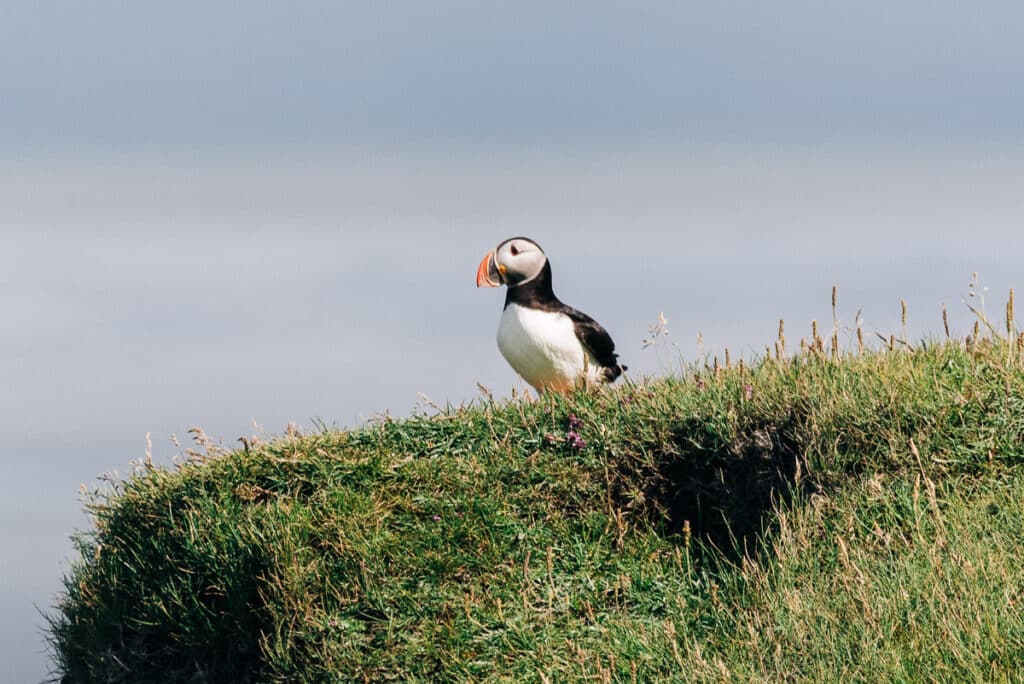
823,517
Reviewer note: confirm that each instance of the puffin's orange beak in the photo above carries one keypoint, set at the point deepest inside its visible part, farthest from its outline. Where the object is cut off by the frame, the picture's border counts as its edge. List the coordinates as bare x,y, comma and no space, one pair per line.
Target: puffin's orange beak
487,273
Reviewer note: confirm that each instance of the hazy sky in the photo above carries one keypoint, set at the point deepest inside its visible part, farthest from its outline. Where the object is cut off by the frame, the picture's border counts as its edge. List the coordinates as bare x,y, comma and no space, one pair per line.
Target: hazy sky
218,76
214,213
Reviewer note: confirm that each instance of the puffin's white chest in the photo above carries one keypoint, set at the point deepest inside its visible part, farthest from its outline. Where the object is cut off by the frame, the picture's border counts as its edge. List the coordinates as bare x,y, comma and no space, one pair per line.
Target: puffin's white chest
543,348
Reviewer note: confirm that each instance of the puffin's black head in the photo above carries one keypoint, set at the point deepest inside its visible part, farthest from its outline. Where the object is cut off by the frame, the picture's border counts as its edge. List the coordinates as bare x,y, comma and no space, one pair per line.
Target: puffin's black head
514,262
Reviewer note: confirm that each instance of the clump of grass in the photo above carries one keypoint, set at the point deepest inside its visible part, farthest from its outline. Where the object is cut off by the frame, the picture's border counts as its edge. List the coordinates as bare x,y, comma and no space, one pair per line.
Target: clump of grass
853,516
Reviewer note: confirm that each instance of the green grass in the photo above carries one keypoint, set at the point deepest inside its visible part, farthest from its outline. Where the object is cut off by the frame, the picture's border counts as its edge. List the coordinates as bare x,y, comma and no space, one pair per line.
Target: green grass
816,519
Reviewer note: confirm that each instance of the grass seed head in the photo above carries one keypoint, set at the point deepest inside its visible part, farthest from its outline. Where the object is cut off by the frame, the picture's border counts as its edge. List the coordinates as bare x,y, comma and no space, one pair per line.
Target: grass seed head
1010,327
818,344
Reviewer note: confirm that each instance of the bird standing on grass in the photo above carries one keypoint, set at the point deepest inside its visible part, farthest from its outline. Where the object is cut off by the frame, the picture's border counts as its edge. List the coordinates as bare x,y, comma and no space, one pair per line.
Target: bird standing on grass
552,346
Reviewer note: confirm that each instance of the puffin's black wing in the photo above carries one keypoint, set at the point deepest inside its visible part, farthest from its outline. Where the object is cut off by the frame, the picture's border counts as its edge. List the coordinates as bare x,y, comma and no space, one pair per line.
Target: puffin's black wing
597,340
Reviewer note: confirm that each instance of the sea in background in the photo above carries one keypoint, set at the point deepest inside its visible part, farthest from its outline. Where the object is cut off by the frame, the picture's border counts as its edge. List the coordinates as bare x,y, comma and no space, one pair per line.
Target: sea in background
145,295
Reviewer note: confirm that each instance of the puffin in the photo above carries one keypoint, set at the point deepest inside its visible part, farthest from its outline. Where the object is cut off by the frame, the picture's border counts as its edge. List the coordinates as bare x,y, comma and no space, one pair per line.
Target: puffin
552,346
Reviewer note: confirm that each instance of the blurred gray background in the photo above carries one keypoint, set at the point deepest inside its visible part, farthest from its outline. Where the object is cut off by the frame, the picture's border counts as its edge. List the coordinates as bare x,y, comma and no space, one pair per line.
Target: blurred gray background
236,215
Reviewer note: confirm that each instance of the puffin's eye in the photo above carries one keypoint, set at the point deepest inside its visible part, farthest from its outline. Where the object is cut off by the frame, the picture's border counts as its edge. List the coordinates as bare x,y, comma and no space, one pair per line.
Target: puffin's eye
514,250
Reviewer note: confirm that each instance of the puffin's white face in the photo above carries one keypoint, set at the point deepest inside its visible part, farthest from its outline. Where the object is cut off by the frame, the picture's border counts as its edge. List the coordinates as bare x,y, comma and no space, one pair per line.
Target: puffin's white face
514,262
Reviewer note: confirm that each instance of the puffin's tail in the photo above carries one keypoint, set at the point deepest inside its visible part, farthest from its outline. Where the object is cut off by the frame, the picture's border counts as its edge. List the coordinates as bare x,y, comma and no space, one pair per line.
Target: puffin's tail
611,373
